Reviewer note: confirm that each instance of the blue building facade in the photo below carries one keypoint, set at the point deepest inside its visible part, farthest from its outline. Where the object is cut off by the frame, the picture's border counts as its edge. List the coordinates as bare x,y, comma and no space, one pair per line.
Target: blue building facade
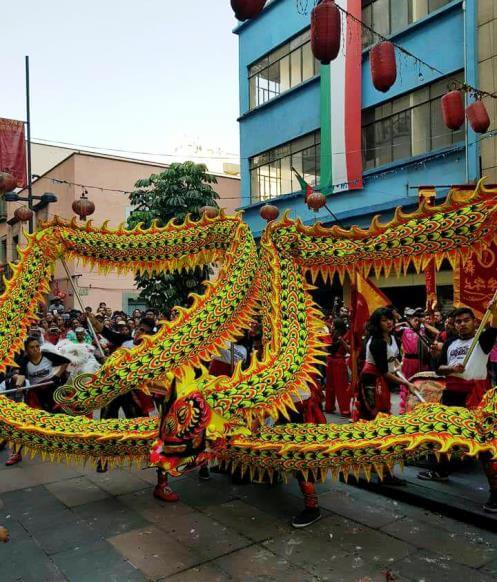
405,143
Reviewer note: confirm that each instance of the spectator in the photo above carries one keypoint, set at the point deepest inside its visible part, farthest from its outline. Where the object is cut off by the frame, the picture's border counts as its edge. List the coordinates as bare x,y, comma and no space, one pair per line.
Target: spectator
337,374
415,344
53,336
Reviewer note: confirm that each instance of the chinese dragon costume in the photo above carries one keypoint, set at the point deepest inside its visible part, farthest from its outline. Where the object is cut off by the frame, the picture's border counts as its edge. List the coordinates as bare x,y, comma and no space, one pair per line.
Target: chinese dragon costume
222,418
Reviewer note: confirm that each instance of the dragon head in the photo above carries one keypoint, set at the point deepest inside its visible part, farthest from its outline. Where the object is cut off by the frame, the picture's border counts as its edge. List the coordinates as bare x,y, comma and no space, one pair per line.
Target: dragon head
182,434
181,445
189,427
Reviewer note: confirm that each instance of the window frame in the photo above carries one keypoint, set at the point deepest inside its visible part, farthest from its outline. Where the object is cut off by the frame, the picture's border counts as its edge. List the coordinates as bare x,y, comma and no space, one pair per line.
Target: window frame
286,150
264,63
433,96
368,4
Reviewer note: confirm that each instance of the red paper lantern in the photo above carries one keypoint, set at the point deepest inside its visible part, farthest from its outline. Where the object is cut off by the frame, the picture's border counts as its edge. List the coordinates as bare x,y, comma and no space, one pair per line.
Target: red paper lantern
383,65
269,212
247,9
477,115
453,109
83,207
316,200
209,211
23,214
7,182
326,31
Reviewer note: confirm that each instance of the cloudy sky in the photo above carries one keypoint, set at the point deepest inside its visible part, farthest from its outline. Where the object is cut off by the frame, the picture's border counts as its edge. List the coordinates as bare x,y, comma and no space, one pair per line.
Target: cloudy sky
141,75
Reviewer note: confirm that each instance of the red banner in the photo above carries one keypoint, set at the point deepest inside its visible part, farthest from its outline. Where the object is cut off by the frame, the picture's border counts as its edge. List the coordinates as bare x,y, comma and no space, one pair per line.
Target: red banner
475,280
431,286
13,150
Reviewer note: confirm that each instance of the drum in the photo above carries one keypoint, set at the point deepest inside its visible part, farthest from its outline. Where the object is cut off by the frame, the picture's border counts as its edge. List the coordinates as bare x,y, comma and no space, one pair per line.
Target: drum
428,384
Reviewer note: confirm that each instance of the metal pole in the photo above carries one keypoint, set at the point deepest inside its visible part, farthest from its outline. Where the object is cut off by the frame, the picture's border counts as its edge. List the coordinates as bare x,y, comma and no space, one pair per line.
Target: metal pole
232,357
334,216
26,388
76,294
28,143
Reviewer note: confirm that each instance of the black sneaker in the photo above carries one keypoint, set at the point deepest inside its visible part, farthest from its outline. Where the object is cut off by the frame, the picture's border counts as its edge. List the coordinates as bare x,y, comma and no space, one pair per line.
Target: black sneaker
491,505
433,476
307,517
204,474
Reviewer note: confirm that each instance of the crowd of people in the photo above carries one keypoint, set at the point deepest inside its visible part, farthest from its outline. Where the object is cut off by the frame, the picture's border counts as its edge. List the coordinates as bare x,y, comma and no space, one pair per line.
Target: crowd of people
393,349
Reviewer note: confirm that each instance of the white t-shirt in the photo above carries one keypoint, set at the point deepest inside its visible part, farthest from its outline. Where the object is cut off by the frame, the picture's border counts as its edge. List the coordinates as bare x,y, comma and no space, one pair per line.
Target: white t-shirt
41,372
476,368
393,354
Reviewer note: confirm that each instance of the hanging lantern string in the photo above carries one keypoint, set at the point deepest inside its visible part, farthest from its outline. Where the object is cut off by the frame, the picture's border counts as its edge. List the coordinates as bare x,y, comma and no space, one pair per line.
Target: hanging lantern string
86,187
477,93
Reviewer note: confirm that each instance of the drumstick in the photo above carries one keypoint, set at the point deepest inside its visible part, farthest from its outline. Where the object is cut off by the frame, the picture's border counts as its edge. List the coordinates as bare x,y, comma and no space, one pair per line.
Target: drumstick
411,389
26,388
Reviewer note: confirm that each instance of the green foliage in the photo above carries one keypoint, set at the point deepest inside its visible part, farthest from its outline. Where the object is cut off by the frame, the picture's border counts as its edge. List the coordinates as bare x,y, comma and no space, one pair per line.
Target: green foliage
180,190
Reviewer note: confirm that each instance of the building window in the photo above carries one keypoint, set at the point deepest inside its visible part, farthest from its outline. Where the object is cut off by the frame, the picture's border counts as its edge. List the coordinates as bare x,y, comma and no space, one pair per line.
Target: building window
271,172
286,67
390,16
407,126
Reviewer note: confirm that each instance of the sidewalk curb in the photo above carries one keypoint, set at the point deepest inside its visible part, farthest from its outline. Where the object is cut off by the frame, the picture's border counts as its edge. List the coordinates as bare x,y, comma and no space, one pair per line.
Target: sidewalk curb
449,505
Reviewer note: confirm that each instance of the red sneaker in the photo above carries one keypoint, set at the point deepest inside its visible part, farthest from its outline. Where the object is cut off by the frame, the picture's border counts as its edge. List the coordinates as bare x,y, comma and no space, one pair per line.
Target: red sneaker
165,493
13,459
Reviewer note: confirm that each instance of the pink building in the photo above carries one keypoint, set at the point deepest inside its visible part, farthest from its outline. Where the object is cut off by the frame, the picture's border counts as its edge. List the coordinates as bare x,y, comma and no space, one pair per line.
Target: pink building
106,178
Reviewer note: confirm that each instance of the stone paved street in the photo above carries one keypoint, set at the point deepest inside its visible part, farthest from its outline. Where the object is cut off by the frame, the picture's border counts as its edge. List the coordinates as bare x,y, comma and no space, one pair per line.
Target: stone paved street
73,524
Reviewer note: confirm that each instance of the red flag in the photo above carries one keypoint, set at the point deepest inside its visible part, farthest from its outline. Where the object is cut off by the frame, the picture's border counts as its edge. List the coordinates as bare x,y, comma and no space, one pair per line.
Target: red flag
428,194
13,150
431,286
366,298
475,280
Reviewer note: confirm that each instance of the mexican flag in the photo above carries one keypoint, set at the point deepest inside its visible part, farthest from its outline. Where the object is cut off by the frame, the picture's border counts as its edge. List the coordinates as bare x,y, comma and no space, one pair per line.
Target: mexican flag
341,156
304,186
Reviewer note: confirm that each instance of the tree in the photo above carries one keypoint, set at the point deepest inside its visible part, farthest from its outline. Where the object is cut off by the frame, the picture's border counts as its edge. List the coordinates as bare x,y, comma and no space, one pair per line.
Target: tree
180,190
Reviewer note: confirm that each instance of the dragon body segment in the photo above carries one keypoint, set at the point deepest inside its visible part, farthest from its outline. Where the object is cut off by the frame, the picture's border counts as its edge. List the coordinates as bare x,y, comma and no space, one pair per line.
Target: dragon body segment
223,415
